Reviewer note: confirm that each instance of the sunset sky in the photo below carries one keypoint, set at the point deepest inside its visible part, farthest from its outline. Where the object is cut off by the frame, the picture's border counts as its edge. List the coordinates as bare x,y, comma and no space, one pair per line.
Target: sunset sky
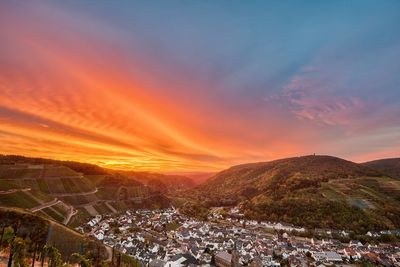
199,85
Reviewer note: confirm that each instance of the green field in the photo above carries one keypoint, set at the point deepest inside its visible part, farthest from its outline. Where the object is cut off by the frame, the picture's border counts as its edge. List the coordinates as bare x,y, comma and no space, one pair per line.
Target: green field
80,200
77,185
58,171
51,214
43,185
107,192
18,199
6,184
7,172
40,196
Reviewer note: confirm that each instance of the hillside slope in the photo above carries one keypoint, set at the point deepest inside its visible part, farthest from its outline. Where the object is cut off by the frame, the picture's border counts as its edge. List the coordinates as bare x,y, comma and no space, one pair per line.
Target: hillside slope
390,166
39,235
67,196
156,181
42,231
316,191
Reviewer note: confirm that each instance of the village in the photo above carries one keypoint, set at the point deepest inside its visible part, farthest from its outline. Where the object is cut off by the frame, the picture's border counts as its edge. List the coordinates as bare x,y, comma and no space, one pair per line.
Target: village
168,238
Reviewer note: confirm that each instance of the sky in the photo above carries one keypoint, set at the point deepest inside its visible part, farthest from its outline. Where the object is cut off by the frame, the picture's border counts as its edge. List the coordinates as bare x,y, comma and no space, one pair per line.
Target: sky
177,86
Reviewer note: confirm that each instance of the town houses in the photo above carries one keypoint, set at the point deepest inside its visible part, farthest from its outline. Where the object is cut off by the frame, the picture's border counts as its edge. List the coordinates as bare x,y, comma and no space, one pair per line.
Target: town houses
168,238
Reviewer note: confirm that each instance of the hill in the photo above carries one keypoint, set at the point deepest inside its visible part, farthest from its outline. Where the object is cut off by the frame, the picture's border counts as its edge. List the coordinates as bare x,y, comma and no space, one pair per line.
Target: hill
156,181
197,177
85,168
315,191
27,237
40,231
390,166
61,193
161,182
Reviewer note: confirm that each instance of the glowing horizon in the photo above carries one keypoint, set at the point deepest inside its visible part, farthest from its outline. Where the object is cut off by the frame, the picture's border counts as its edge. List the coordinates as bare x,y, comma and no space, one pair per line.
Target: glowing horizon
198,86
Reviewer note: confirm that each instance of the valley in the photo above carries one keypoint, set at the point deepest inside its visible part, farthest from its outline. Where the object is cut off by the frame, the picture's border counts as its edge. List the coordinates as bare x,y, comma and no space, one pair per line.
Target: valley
155,218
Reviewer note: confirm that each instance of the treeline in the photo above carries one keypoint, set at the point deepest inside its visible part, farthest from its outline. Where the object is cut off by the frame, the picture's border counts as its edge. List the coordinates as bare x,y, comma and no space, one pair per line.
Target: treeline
195,210
25,239
314,213
363,238
23,235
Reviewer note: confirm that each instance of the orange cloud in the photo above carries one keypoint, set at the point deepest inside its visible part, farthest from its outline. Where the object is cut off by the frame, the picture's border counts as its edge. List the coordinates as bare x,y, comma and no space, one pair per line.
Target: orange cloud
69,92
90,109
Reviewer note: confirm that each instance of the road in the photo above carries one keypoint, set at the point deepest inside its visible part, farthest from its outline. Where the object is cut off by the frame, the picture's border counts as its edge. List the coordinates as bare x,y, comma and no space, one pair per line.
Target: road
46,205
71,212
75,194
11,191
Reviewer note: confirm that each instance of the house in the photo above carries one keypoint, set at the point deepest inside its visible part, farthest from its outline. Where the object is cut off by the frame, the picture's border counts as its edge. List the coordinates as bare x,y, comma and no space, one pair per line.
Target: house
157,263
350,253
355,243
182,260
223,259
318,256
373,234
297,261
332,256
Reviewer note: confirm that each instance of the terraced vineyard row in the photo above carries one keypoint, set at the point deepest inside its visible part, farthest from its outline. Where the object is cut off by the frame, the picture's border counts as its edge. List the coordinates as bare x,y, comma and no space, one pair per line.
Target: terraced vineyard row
364,192
40,188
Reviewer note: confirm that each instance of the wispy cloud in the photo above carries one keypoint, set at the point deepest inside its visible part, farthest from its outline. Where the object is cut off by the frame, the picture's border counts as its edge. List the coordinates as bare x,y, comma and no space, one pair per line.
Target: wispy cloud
309,95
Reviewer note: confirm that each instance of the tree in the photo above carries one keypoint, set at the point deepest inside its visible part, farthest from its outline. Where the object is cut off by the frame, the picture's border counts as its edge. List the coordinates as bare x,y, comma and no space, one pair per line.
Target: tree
15,226
19,252
2,235
7,237
43,255
38,236
80,259
5,222
54,256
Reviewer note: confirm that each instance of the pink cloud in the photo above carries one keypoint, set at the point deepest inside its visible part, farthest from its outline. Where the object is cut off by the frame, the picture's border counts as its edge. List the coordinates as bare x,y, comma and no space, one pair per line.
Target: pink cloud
312,96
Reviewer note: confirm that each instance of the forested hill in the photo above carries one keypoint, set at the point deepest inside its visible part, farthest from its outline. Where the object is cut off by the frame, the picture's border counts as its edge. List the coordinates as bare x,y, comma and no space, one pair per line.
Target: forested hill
390,166
316,191
30,235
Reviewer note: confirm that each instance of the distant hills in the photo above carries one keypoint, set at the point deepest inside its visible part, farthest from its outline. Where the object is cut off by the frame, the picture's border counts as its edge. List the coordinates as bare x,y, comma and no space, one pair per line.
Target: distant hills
196,177
389,167
160,182
315,191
